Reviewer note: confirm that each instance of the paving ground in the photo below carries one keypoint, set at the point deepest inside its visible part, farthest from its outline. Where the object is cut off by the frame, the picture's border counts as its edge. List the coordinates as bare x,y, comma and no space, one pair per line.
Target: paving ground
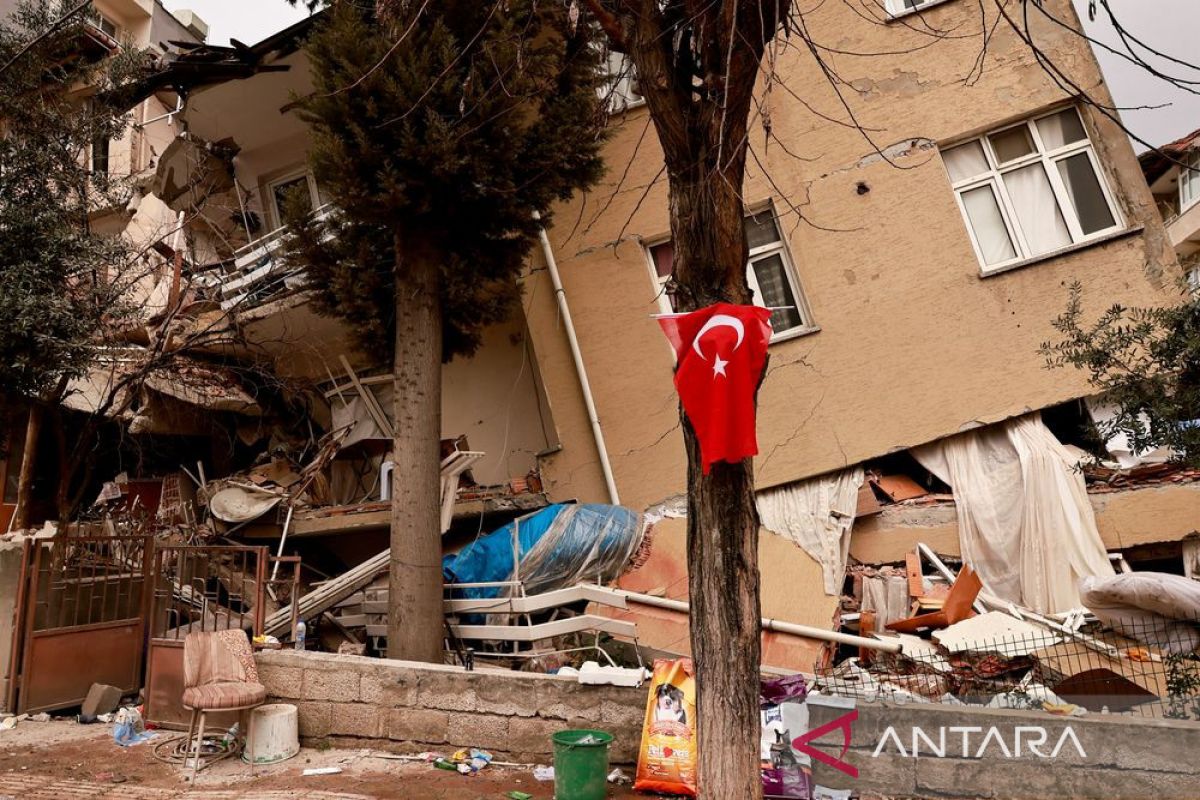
59,760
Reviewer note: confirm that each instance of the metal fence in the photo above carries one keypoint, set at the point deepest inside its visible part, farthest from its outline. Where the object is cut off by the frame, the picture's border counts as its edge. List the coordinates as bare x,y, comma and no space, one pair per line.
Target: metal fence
1148,667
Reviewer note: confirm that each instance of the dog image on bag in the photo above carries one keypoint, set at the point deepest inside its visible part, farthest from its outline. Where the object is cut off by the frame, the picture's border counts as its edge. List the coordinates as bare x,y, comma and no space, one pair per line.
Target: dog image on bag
668,704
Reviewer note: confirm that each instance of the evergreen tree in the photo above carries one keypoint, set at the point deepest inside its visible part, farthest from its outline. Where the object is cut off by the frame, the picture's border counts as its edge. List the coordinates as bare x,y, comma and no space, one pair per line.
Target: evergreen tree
441,131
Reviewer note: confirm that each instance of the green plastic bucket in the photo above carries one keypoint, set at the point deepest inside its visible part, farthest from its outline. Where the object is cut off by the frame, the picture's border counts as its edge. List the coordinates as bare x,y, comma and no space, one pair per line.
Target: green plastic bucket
581,765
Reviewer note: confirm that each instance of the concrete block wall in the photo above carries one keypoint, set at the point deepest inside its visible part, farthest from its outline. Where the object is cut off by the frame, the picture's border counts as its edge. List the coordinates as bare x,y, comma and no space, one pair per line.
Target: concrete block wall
409,707
1125,757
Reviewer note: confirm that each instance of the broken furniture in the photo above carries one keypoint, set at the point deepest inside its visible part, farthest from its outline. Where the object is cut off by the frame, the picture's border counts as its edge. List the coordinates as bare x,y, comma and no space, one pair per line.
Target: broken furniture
956,608
219,675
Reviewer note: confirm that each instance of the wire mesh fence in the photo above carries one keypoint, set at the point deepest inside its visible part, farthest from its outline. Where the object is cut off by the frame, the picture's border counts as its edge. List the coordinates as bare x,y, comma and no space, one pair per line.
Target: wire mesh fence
1148,667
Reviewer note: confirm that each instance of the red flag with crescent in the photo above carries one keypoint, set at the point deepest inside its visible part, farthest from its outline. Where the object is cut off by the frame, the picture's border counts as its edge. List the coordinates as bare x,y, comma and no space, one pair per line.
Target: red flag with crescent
721,350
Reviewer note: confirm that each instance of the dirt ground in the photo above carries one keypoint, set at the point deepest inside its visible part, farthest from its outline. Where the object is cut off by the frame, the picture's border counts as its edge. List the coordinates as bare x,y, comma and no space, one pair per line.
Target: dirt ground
61,759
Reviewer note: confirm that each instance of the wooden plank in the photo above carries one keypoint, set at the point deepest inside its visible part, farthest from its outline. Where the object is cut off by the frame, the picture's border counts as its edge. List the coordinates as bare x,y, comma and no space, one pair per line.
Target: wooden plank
352,620
328,594
916,583
340,523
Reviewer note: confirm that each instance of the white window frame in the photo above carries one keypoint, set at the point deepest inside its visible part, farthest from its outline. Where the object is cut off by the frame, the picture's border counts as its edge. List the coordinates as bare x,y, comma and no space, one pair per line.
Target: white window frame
618,90
288,177
1189,173
1049,160
896,8
778,247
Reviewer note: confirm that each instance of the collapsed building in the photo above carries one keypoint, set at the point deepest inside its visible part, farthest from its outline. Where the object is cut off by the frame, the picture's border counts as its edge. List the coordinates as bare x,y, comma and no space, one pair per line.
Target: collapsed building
907,422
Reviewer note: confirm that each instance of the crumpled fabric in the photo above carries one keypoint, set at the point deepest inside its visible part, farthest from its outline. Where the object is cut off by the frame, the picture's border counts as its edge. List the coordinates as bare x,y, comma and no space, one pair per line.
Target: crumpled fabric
1025,523
817,515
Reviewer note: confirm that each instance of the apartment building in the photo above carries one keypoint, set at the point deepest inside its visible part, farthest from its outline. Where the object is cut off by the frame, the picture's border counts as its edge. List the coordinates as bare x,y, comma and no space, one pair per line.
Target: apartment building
148,26
916,257
1173,173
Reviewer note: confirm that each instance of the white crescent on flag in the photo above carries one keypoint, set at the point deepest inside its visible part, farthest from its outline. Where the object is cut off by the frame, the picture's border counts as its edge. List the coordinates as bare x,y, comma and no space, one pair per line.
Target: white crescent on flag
718,321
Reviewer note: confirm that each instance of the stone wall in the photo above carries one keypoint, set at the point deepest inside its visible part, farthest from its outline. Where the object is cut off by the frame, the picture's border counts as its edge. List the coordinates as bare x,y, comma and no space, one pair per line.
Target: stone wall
1124,757
408,707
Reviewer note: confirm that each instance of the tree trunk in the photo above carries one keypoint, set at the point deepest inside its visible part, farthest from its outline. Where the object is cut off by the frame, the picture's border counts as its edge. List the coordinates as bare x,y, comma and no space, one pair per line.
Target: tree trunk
33,430
722,543
415,619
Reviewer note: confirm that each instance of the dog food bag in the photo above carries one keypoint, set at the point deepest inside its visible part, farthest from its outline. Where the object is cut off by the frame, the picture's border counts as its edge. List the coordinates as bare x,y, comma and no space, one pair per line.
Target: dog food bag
667,757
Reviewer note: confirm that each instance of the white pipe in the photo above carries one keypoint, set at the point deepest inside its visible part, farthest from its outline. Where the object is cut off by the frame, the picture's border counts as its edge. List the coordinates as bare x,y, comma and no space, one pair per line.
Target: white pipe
773,624
580,370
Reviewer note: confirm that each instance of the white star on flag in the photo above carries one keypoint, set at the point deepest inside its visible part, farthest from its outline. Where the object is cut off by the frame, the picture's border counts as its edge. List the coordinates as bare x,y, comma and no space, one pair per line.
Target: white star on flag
719,365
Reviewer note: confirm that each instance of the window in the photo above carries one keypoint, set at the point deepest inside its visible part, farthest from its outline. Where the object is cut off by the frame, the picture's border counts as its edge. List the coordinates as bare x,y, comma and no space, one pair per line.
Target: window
100,152
770,273
107,26
279,189
1030,189
899,7
1189,181
620,90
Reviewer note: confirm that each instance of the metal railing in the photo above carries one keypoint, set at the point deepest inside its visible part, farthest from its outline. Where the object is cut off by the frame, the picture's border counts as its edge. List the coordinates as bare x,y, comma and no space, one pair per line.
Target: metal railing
257,274
1146,666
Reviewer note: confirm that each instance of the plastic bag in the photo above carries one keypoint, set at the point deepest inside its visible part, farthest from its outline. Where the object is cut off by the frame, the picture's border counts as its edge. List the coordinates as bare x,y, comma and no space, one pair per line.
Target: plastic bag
667,757
129,729
785,772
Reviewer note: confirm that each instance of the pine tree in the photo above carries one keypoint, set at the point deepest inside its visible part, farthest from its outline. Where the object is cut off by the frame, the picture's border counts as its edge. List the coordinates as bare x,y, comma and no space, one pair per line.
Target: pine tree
440,132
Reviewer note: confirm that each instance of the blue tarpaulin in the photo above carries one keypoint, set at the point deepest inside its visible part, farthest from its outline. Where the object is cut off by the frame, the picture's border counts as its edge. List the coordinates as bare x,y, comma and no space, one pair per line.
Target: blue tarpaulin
559,546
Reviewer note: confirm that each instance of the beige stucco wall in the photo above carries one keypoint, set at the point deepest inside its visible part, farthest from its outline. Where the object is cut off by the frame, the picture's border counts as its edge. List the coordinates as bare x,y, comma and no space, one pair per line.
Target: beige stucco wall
913,344
1128,518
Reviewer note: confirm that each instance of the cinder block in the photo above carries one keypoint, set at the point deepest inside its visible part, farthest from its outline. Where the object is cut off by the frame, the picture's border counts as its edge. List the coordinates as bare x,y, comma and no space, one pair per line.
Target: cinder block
101,699
356,719
564,700
417,725
314,719
478,730
284,683
341,687
448,692
532,735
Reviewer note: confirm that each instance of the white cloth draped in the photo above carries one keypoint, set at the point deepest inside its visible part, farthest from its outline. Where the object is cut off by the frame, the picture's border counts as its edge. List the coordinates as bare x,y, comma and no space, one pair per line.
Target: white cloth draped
817,515
1024,519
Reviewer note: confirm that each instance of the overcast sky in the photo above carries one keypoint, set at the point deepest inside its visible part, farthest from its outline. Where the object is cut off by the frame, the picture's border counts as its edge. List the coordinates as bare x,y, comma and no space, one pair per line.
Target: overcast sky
1166,25
247,21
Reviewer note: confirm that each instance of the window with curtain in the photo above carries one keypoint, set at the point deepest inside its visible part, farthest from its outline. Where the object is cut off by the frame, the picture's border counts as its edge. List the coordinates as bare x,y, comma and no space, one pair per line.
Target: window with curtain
1031,189
1189,181
769,272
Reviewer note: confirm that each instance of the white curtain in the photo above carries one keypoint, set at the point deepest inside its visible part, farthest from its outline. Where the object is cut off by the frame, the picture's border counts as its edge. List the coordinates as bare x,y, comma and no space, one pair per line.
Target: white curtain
988,225
1025,523
817,515
1037,210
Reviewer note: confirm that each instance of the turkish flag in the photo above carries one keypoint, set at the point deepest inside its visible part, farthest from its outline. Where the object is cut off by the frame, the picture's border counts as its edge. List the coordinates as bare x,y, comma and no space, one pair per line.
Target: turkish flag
721,351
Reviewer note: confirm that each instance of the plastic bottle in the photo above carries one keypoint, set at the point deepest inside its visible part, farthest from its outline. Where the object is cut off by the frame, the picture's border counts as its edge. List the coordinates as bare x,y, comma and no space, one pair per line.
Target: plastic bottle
301,629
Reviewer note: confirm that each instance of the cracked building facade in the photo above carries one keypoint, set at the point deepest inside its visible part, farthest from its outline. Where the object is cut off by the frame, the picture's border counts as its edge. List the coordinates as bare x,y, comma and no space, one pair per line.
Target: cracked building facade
920,223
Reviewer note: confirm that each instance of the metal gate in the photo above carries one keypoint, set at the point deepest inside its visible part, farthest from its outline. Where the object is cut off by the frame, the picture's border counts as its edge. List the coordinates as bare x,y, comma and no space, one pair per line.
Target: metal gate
81,619
202,588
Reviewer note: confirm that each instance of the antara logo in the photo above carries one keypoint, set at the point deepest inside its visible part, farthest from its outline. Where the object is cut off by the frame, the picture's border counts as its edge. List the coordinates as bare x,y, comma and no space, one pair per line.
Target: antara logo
843,723
1033,737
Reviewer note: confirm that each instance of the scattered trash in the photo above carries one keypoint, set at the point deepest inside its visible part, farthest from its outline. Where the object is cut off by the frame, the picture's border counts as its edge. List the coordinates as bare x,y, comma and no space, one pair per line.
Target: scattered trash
42,717
543,773
515,795
592,674
129,729
617,776
8,724
321,771
442,763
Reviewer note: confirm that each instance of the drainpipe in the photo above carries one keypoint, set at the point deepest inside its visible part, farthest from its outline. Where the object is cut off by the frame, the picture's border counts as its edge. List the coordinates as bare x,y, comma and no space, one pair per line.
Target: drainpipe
807,631
580,370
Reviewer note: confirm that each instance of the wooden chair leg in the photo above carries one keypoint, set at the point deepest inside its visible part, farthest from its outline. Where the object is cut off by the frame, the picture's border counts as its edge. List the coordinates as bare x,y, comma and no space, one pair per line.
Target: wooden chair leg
190,736
199,746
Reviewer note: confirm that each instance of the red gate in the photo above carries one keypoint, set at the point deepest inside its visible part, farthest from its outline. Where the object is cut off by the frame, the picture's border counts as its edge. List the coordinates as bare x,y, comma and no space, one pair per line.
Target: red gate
81,619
